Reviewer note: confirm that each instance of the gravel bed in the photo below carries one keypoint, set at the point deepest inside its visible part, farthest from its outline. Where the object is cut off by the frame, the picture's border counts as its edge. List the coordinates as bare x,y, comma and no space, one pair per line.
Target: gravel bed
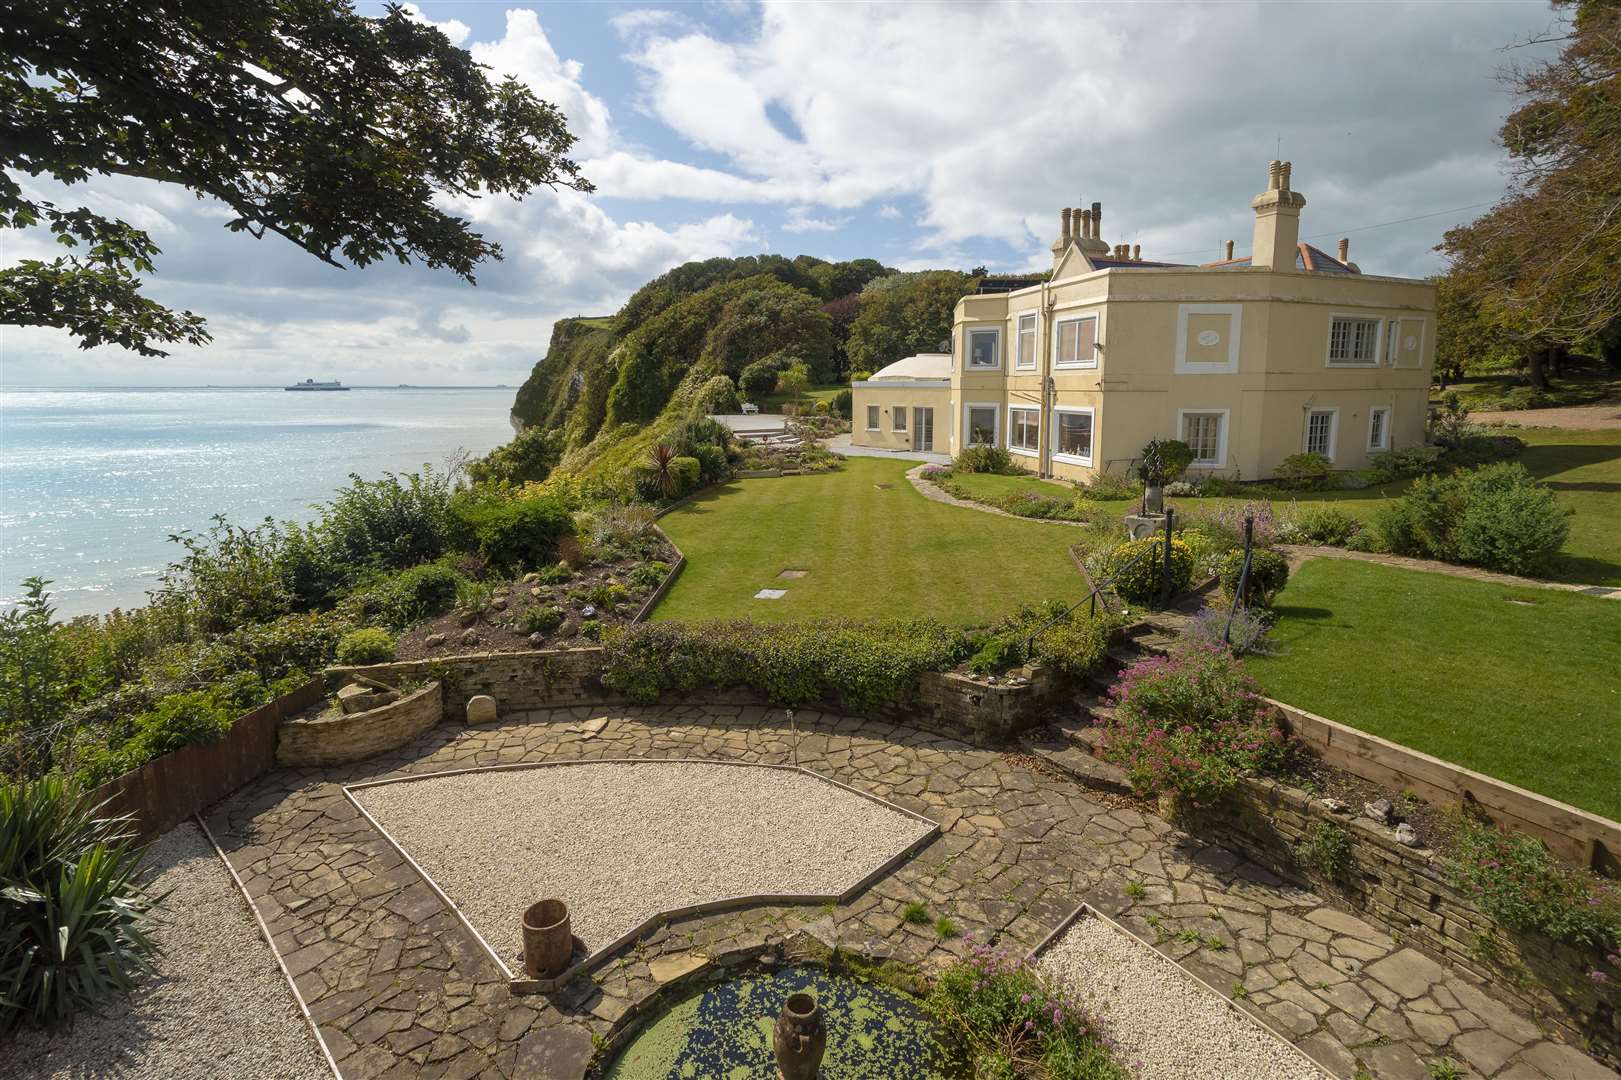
1170,1026
622,842
219,1006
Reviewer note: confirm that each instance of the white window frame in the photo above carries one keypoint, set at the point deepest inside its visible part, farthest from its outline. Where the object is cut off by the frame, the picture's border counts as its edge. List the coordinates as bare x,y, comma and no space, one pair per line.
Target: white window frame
1019,339
874,413
968,408
1378,341
1333,431
1184,366
1058,328
1033,451
897,419
1220,460
1075,459
996,350
1384,443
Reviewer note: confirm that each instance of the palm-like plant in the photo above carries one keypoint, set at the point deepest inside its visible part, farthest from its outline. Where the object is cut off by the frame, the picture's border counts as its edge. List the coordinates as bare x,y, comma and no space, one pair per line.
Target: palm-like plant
663,478
75,922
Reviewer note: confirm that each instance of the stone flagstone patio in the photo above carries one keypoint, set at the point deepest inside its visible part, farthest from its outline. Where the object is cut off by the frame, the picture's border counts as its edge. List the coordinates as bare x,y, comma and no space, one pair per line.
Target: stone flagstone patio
398,988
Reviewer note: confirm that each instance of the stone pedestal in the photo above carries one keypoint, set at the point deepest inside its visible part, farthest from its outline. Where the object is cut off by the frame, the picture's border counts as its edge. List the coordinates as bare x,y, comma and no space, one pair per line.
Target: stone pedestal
1139,526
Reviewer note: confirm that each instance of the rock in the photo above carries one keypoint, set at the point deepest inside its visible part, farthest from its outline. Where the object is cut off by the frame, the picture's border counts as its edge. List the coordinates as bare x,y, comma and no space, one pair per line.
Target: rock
433,641
537,592
467,618
355,698
570,628
1335,806
537,638
589,612
1406,835
530,578
469,636
499,603
1380,810
481,709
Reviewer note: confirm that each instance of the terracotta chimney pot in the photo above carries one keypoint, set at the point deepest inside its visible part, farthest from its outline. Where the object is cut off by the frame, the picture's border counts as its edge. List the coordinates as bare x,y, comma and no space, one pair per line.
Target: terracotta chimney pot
1345,249
1229,250
1136,253
1086,222
1274,175
1065,231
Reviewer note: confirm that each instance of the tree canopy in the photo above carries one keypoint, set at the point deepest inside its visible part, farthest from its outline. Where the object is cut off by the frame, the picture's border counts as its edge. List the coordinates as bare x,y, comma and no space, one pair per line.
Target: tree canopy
904,314
307,120
1540,268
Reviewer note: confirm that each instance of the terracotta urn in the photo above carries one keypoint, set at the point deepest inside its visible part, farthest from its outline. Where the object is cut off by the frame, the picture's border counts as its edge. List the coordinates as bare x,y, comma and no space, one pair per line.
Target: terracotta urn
800,1038
548,940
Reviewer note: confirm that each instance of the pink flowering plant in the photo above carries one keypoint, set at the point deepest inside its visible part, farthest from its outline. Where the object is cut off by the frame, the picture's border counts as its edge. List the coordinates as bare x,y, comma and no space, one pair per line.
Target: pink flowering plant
1190,724
1000,1020
1520,883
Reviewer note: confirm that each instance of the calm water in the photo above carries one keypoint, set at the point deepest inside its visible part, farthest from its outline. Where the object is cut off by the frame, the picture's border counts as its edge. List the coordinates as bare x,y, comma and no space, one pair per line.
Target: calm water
93,482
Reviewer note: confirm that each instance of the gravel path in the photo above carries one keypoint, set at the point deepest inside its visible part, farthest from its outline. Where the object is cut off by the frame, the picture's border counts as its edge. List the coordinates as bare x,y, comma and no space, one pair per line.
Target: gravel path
622,842
1162,1019
218,1008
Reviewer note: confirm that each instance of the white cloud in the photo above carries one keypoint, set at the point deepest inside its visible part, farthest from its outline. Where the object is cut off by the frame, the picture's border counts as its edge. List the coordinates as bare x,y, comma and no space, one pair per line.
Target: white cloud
800,220
1166,113
454,29
526,53
889,212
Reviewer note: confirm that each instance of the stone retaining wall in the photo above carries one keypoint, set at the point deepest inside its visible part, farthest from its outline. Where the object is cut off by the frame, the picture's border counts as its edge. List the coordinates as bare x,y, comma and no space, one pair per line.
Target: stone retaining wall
947,704
1410,892
336,738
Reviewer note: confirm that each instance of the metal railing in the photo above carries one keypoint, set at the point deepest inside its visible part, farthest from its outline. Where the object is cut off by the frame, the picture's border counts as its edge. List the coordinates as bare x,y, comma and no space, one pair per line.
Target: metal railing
1091,598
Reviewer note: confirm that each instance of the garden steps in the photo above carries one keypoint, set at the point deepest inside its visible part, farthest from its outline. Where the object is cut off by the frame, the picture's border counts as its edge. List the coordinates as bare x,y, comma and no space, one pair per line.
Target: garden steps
1078,764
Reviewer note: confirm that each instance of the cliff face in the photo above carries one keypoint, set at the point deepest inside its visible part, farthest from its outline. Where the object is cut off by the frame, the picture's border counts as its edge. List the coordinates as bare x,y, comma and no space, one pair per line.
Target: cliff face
569,386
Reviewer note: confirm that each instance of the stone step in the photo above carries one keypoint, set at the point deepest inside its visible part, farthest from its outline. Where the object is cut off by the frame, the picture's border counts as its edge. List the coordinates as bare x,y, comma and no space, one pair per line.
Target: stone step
1079,765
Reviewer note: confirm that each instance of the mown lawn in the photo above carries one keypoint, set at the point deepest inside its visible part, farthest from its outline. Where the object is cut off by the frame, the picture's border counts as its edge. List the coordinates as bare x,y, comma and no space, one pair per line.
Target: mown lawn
1520,684
1488,392
872,545
773,402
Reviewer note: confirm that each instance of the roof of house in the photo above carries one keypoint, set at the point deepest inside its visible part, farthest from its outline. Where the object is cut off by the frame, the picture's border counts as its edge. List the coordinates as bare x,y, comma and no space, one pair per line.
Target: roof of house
929,365
1308,258
1129,264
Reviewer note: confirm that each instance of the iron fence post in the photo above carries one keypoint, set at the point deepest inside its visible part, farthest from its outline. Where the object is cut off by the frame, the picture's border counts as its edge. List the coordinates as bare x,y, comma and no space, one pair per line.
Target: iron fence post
1165,584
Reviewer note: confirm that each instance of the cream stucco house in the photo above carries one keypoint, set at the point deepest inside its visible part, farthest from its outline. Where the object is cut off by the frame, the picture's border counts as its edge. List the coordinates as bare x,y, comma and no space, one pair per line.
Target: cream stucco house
1247,360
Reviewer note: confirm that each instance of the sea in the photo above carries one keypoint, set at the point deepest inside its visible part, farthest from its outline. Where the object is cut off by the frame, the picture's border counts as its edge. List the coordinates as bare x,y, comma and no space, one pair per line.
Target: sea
93,482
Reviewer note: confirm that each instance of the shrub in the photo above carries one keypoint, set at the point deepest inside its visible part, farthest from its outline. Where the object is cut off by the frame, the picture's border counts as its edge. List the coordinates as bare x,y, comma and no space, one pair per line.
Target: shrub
591,629
34,677
860,665
648,575
760,377
686,472
1525,397
983,459
1449,423
1000,1020
390,523
1137,568
529,457
1075,648
1304,472
555,574
1326,848
513,533
175,720
1409,461
621,530
1317,525
840,404
74,923
421,592
1475,450
1111,486
1208,543
228,576
718,395
1269,573
1000,653
1242,632
1163,460
370,646
1520,884
541,620
1191,724
1496,516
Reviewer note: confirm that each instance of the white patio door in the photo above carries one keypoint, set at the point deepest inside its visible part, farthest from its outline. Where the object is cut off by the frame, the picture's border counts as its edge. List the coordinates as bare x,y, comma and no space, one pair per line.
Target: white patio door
922,429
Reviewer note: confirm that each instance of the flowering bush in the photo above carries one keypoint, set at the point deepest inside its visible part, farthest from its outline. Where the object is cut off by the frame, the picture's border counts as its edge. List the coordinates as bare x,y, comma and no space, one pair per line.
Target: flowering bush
1138,567
1191,724
999,1020
1230,519
1521,885
1244,630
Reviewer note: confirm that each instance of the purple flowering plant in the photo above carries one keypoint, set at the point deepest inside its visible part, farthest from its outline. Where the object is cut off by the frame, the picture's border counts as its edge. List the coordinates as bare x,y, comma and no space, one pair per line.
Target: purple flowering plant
1191,723
1000,1018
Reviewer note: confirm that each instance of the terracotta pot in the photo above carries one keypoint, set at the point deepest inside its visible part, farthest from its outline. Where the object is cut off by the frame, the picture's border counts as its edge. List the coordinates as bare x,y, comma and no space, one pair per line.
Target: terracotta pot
800,1038
548,940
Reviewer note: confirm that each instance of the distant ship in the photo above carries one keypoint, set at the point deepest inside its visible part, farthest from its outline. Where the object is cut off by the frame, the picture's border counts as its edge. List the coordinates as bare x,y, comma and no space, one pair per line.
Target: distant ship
311,384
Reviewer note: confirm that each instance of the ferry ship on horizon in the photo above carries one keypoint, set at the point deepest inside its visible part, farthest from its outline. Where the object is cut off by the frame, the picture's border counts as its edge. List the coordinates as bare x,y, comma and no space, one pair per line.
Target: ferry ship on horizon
311,384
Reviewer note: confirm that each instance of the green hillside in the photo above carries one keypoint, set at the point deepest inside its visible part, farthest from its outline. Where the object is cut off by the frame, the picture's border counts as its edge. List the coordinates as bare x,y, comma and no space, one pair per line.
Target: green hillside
688,341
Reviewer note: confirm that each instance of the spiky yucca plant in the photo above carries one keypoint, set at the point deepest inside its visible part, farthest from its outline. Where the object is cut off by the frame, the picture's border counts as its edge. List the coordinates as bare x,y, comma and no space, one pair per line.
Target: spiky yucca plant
75,922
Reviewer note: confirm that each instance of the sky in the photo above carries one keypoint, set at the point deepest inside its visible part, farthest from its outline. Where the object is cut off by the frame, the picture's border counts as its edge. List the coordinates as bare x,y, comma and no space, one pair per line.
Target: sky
923,135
